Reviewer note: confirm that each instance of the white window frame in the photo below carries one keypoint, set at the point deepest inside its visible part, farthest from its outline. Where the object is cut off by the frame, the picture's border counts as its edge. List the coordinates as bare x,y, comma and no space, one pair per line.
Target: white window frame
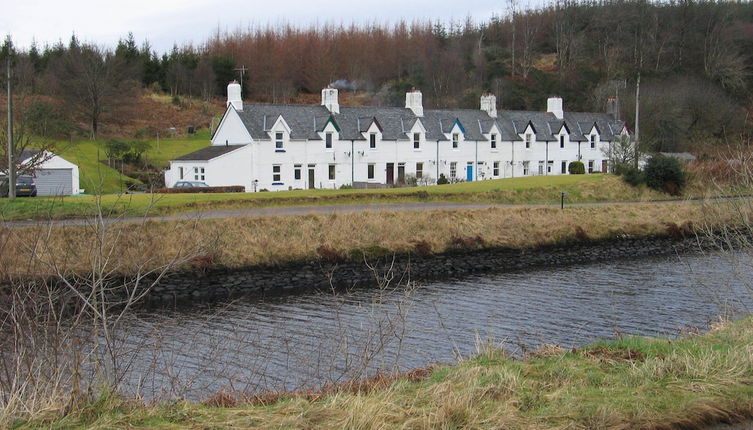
591,166
329,140
371,171
297,172
332,172
279,141
562,141
198,174
455,140
526,168
529,140
453,169
419,170
493,142
276,173
592,140
495,169
416,141
564,167
372,140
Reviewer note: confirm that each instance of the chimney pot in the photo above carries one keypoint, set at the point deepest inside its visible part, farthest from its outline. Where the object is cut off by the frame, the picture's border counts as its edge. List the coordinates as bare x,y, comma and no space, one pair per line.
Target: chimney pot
414,102
330,99
234,98
554,106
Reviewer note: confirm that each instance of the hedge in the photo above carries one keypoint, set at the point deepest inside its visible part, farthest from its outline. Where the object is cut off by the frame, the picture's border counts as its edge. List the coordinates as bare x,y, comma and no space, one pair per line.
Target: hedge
229,189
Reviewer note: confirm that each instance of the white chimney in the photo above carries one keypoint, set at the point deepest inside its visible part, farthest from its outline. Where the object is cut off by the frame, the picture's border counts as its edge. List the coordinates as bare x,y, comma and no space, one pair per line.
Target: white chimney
554,105
329,99
234,95
489,104
413,101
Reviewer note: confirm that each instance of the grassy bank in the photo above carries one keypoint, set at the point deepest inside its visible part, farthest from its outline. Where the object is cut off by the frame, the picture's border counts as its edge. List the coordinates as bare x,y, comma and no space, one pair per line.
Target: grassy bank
97,176
529,190
239,242
629,383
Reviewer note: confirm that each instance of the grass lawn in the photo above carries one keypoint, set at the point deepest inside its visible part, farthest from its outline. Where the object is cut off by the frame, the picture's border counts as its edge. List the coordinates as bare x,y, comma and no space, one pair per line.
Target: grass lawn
529,190
631,383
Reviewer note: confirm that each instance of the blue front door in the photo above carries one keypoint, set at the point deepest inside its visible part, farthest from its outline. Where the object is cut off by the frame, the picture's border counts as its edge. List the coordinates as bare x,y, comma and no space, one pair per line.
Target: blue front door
469,174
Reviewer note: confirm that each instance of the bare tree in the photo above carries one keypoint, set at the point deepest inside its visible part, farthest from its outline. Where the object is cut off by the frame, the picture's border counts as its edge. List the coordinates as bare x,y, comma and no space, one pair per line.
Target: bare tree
94,82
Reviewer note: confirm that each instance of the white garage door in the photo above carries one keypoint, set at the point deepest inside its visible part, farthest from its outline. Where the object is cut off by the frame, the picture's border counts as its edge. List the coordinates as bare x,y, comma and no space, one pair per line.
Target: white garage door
54,182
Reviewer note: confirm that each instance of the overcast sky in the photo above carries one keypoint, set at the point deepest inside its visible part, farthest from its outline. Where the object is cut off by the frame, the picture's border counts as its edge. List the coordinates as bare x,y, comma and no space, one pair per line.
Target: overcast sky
165,22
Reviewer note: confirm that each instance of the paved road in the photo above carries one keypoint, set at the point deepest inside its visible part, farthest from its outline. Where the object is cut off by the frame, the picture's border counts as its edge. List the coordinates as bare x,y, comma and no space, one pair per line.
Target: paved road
315,210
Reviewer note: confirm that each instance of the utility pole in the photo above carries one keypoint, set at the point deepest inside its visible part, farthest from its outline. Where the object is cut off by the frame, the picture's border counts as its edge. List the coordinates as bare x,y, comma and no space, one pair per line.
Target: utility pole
242,70
11,161
637,118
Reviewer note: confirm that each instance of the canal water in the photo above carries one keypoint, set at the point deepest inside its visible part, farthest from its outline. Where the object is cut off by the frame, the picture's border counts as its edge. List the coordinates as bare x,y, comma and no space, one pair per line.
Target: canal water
304,341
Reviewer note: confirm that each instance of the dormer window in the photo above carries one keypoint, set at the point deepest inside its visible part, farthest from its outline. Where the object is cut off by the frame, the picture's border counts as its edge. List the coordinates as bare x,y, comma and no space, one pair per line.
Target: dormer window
372,140
593,141
455,140
328,140
279,140
529,140
562,141
416,140
494,141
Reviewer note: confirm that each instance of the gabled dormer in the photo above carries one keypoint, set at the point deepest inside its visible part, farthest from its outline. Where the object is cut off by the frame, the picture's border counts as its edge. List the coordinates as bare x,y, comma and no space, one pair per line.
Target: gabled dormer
563,135
594,136
529,135
456,134
373,134
494,136
330,133
417,135
280,134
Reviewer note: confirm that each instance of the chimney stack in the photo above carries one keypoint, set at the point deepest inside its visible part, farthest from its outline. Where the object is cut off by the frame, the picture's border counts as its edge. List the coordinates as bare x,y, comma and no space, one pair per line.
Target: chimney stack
613,107
489,104
554,105
234,96
329,99
413,101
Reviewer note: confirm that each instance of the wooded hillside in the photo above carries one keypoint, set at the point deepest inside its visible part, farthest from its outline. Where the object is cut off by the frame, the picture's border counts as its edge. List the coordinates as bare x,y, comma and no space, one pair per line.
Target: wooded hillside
694,59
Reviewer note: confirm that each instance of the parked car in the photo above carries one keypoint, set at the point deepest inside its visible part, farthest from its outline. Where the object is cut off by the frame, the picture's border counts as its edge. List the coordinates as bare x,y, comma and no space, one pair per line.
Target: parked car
25,187
190,184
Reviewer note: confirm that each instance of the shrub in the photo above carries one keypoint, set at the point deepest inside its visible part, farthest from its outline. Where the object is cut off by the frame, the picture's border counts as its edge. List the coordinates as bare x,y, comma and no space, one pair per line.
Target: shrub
665,174
442,179
576,168
346,187
633,176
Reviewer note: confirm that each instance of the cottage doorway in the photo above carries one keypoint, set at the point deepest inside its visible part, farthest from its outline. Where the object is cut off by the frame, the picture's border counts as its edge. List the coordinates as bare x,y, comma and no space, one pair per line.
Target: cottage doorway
604,166
469,173
390,173
312,177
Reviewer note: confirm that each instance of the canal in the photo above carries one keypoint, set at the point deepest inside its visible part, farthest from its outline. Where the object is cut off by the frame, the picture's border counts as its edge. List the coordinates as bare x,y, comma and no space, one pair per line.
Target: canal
304,341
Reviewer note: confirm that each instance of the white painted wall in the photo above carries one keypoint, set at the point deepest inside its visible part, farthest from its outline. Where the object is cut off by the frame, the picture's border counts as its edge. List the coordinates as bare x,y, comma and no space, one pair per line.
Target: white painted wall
53,161
233,168
253,166
231,130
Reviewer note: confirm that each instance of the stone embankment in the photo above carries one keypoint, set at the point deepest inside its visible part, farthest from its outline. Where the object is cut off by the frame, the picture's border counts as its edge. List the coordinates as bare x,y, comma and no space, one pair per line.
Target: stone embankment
326,274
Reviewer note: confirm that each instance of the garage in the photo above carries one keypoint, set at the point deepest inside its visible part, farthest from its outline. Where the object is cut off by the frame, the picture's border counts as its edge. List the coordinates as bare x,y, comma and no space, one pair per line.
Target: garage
53,175
54,182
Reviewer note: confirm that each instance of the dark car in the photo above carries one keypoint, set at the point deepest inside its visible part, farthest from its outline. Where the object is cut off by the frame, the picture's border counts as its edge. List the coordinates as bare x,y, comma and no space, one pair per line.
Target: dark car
190,184
25,187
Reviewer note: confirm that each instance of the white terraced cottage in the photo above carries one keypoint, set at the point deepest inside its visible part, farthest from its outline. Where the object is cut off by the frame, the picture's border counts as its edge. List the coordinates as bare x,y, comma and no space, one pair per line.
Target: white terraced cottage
281,147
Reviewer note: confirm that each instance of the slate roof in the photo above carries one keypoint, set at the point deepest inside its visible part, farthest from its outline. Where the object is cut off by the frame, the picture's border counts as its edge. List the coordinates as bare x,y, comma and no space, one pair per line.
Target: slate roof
306,121
209,153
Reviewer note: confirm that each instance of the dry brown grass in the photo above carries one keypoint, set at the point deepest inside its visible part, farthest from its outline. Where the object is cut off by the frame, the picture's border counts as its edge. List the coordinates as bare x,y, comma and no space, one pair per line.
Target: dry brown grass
271,240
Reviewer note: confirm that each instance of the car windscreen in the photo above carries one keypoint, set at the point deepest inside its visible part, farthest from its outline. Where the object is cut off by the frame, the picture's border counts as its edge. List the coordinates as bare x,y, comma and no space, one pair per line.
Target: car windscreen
25,180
